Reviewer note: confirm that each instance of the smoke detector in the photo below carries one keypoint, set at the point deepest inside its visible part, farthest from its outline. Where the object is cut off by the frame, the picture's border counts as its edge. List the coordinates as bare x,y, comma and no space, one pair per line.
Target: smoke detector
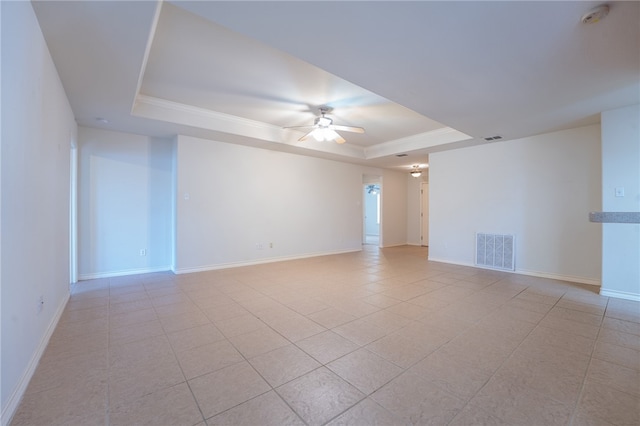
595,14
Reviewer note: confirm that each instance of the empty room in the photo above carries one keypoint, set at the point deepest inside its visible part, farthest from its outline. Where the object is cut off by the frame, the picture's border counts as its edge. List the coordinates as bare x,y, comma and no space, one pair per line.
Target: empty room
320,213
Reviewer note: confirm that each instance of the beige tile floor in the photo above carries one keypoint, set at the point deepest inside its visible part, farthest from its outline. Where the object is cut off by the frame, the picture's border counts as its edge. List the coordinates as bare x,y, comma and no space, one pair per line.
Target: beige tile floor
378,337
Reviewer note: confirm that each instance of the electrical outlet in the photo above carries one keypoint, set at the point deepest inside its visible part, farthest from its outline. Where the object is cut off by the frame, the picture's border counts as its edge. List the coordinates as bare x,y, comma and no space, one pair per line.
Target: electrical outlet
270,245
143,252
259,246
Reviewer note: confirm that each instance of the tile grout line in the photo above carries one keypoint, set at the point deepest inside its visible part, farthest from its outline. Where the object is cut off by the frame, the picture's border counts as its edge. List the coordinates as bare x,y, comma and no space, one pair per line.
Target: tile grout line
504,361
166,335
583,385
108,413
272,389
245,360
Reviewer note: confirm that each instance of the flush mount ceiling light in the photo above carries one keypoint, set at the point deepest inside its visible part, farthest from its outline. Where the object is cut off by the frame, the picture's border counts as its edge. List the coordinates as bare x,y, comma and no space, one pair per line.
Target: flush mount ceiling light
416,172
595,14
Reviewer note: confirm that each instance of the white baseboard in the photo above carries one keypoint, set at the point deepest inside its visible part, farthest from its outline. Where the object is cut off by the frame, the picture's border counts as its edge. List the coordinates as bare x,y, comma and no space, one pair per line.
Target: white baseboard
620,294
14,400
109,274
258,261
569,278
450,262
393,245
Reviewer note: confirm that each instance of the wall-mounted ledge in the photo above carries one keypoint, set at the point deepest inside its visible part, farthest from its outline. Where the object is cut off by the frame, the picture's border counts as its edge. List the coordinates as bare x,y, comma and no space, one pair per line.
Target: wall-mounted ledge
614,217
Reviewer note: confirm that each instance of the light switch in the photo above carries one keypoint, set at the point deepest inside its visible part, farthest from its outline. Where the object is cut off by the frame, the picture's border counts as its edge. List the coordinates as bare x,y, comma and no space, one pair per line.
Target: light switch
620,192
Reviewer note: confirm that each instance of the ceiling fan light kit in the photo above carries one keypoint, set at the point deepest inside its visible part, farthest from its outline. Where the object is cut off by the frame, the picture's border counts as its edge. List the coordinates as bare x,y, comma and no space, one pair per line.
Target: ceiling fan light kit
325,134
323,129
416,172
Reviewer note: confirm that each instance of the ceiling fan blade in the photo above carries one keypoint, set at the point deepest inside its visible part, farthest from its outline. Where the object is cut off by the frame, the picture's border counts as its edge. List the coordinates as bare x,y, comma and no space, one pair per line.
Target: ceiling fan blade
340,139
305,137
311,126
347,128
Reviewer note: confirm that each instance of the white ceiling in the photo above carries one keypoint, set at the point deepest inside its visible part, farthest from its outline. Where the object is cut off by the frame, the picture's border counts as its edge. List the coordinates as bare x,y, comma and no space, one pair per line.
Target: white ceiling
418,76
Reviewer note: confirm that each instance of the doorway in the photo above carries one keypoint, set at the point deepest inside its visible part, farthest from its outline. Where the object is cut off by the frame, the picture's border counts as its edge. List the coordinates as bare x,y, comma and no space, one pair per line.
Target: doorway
372,214
424,214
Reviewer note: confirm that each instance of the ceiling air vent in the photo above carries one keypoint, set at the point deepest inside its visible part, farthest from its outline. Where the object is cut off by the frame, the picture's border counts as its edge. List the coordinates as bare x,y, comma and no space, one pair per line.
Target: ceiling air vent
401,155
493,138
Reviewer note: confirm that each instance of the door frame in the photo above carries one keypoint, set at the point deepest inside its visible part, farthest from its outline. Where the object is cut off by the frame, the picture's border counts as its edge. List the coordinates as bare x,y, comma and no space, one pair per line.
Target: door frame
370,180
73,213
424,215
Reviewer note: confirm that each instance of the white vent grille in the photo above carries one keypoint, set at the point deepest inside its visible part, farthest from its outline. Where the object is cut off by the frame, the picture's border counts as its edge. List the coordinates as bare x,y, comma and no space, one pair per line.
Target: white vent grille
495,251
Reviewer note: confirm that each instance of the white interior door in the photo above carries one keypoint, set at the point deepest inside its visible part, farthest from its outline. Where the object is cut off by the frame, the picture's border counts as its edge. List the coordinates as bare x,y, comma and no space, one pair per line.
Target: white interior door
424,214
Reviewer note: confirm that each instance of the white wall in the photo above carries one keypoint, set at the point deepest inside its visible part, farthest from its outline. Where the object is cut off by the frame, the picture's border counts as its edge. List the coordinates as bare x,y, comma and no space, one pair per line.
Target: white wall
231,198
539,188
394,209
124,203
621,169
37,127
132,196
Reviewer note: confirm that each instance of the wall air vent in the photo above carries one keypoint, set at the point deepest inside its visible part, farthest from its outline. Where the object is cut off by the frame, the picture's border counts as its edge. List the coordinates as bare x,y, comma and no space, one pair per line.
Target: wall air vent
495,251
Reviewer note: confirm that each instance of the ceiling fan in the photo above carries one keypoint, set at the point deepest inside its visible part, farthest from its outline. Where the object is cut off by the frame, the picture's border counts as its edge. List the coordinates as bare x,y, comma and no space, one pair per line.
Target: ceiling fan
323,128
